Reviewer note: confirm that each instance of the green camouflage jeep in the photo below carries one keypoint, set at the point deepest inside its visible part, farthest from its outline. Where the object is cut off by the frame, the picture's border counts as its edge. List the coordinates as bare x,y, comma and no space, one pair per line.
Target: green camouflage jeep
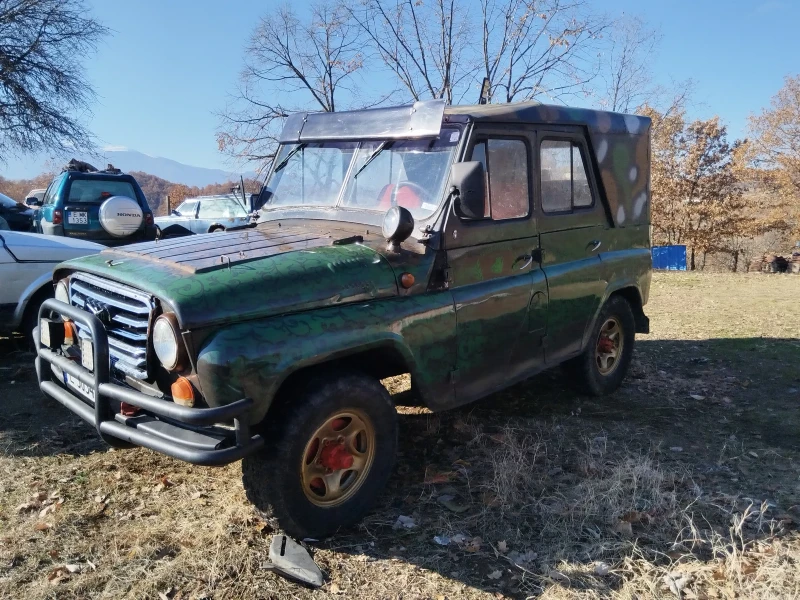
469,246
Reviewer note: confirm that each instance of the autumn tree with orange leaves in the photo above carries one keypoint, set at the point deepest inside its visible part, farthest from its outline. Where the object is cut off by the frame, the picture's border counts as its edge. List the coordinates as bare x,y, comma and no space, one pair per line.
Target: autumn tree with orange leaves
773,151
696,196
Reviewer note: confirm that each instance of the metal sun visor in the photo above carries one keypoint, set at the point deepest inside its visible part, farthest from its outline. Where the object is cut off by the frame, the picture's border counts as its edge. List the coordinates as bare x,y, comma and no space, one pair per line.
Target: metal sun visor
418,120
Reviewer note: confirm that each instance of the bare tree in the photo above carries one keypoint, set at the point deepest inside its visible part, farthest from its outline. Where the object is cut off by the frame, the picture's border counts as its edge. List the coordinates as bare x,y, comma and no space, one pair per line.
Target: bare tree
423,44
43,90
625,73
538,48
291,65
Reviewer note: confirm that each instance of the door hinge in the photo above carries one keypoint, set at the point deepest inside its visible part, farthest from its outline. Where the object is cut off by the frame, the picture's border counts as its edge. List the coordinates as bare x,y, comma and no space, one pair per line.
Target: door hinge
446,274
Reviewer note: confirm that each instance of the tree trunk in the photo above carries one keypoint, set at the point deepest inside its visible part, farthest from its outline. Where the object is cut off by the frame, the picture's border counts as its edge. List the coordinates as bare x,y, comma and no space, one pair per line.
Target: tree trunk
691,262
703,265
735,261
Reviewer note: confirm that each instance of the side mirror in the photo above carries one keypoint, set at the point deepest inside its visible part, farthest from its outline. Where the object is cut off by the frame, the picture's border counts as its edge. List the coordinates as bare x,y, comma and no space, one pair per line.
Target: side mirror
469,181
175,212
33,201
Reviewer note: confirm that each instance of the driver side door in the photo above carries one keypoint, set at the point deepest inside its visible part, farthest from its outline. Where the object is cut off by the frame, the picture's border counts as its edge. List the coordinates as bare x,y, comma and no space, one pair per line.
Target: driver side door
499,289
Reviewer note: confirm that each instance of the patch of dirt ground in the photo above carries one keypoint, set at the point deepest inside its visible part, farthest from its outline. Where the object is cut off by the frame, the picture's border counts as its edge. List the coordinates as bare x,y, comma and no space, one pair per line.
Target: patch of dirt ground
683,484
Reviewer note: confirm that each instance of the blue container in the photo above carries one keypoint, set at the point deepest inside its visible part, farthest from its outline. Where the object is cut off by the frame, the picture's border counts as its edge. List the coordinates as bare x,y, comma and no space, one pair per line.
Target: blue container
669,258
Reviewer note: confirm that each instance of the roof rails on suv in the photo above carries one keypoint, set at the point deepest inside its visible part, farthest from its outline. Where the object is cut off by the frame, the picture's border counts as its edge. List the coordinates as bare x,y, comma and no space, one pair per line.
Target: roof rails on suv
84,167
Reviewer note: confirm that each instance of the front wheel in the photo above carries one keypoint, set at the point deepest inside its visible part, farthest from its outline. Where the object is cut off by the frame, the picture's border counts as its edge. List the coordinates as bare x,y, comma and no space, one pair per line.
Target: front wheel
602,366
331,451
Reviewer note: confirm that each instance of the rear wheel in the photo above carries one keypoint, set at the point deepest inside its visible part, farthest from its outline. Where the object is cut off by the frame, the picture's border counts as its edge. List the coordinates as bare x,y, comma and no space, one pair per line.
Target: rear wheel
330,453
605,361
219,228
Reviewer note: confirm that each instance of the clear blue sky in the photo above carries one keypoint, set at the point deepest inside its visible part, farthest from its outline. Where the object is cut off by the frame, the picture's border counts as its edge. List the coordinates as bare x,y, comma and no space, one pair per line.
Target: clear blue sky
170,64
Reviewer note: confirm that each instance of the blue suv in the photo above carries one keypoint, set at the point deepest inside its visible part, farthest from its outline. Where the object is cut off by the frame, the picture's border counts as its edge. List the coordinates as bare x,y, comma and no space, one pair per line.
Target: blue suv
106,206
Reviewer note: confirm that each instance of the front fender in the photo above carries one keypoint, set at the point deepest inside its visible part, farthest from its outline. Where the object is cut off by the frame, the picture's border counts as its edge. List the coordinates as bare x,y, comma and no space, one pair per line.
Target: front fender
33,288
252,359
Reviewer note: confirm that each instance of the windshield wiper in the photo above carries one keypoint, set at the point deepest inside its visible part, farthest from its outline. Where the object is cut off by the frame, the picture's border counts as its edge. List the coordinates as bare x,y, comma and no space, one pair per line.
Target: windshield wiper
289,156
381,147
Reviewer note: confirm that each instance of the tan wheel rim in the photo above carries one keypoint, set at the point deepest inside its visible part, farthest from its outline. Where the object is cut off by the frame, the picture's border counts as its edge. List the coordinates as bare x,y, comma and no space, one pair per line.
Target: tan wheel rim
608,350
337,458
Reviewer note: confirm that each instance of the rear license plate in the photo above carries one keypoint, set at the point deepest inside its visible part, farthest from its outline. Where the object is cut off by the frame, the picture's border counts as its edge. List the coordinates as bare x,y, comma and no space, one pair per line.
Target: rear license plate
80,387
78,218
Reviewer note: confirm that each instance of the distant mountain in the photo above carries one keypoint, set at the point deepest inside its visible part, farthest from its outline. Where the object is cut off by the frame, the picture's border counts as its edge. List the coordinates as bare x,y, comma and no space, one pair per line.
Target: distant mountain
166,168
127,160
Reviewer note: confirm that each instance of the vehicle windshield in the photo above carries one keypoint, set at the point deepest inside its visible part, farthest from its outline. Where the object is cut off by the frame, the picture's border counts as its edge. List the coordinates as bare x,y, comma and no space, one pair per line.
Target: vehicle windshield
373,175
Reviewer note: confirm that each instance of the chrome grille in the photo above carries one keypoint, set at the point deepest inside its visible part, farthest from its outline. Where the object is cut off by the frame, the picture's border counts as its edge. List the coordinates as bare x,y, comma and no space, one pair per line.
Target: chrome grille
126,315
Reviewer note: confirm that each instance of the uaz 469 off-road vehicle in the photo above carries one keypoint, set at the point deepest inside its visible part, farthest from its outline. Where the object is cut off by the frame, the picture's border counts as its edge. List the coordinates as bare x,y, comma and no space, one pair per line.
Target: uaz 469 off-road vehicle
468,246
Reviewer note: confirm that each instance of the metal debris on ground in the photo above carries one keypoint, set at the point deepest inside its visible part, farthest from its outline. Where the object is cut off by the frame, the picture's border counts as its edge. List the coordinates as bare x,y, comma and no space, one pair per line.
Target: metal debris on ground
289,559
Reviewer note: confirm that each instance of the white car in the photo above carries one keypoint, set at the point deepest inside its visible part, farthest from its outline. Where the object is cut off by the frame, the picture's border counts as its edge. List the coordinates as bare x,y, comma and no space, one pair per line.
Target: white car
26,272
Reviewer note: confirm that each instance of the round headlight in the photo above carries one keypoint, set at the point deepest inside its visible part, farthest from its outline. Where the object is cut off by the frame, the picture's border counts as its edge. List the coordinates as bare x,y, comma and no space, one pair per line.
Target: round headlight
62,293
166,344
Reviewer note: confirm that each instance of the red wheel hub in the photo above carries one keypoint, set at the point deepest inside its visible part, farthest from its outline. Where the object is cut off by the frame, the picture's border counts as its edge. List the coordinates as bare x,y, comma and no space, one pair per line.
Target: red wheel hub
605,344
335,457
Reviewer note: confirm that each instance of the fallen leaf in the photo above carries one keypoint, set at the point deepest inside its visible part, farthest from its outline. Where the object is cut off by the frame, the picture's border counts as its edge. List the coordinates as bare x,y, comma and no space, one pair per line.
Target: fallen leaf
434,478
166,482
696,397
448,502
635,516
602,569
28,506
404,522
677,448
473,545
624,528
198,495
73,568
42,526
502,547
53,553
442,540
495,575
100,499
334,588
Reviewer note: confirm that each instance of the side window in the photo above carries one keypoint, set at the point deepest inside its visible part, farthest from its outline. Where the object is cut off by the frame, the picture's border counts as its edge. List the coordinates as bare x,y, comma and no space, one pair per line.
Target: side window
508,188
565,185
52,191
187,209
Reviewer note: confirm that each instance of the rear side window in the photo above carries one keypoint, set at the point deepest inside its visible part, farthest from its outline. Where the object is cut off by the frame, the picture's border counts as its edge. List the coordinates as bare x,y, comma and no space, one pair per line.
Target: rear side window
506,164
52,190
565,185
97,191
187,209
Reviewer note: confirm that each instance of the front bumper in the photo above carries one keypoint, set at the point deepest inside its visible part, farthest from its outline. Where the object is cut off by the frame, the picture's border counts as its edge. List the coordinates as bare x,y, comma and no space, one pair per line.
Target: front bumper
182,432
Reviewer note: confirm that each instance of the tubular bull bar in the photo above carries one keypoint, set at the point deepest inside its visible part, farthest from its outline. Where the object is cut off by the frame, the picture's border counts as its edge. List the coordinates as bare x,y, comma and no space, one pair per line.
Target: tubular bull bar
166,427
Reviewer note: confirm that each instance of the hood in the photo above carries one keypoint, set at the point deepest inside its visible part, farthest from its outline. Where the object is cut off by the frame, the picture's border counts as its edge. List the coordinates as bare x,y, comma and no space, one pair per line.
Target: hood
46,248
219,278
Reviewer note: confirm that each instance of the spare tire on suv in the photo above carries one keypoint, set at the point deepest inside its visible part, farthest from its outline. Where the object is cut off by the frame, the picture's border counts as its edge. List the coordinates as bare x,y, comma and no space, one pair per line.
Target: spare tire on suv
121,216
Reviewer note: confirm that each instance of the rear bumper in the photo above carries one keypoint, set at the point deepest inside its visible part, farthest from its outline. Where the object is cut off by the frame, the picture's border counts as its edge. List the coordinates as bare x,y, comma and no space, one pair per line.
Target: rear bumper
188,434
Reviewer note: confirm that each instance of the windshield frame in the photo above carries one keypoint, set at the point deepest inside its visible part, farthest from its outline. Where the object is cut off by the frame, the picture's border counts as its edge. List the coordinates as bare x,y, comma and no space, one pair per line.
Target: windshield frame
339,211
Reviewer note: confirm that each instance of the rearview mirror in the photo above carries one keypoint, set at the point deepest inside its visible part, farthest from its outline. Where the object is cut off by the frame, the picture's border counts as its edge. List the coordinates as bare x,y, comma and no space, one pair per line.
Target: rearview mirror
468,179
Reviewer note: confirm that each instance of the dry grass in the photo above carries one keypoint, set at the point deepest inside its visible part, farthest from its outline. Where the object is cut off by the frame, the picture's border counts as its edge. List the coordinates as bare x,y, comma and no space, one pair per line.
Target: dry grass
685,483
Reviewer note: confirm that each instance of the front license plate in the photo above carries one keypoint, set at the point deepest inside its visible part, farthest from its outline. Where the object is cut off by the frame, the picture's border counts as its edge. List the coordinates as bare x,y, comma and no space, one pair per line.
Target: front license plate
78,218
80,387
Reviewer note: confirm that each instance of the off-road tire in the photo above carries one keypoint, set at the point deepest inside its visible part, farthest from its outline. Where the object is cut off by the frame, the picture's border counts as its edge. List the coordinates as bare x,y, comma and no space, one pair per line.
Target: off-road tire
271,477
583,369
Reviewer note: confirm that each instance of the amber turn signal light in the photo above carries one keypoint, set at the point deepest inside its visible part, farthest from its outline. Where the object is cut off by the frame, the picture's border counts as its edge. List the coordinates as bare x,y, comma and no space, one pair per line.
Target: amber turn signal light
406,280
182,392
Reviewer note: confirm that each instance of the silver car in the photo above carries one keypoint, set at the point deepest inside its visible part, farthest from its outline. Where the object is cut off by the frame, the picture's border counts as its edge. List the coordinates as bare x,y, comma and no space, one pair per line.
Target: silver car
205,214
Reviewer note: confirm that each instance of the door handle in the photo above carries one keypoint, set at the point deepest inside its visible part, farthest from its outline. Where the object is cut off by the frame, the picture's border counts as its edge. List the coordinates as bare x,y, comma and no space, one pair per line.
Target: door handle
527,258
595,245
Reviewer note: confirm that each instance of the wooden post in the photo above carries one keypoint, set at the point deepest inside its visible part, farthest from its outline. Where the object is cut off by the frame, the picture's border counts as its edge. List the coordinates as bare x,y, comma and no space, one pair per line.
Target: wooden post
169,208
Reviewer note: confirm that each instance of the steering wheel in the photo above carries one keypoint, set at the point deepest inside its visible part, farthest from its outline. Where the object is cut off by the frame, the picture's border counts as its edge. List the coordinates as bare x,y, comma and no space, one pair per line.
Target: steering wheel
413,198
